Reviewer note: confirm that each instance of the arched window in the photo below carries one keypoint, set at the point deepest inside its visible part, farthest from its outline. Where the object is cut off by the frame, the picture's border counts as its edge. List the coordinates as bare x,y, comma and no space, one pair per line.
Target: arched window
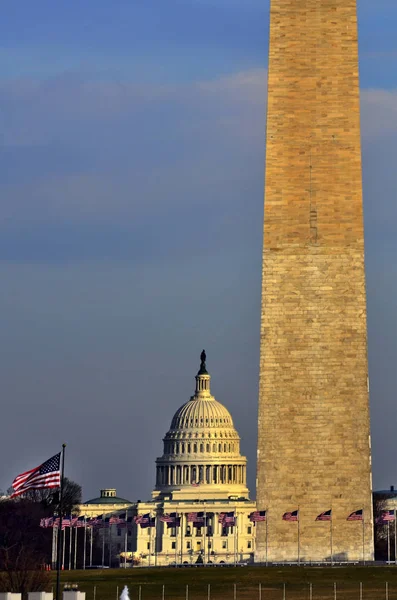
201,447
220,447
208,447
195,448
214,448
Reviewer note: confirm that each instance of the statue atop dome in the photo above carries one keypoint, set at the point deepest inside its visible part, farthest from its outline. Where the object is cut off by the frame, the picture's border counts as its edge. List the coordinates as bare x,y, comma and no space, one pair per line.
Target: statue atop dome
203,367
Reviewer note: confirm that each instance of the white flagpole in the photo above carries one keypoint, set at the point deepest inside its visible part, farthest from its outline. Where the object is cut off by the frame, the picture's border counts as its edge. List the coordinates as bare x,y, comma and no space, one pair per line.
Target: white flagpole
205,535
63,548
395,538
235,537
70,546
85,543
91,543
75,547
176,538
182,524
110,545
363,537
103,544
150,539
53,552
388,542
126,539
155,539
267,533
299,536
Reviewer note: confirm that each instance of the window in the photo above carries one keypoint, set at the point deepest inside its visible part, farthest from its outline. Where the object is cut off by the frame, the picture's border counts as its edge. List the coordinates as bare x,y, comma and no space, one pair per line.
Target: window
195,448
249,530
201,447
224,545
173,545
188,531
188,545
198,532
249,544
148,545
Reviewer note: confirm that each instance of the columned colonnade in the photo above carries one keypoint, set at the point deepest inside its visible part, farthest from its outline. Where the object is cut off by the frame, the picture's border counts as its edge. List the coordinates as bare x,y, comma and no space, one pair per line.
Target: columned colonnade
204,474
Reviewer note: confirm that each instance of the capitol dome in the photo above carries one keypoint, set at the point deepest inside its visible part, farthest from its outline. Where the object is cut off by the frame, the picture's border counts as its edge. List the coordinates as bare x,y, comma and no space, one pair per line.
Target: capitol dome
202,448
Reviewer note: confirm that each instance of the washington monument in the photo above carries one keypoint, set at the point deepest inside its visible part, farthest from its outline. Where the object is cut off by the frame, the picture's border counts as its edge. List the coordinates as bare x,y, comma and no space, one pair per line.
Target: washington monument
314,452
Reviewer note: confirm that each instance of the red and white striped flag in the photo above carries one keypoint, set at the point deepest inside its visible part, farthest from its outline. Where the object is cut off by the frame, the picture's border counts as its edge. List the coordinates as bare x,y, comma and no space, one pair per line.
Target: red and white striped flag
46,475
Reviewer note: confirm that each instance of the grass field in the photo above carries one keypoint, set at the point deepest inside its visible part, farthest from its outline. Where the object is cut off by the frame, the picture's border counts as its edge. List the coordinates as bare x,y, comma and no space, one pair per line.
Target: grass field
239,583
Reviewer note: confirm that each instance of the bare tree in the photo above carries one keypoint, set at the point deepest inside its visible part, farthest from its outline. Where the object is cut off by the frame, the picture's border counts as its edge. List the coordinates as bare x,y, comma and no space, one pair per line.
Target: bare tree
49,499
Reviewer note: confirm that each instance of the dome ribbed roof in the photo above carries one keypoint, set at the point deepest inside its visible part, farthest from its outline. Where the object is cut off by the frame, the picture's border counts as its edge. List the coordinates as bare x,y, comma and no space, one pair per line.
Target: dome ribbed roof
198,412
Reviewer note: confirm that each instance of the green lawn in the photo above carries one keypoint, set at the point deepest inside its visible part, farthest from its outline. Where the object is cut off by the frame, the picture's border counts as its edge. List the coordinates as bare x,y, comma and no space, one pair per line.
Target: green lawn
241,583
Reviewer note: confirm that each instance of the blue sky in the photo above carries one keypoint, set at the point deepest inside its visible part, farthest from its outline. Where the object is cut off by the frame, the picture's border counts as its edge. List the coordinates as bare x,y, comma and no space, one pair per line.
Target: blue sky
131,196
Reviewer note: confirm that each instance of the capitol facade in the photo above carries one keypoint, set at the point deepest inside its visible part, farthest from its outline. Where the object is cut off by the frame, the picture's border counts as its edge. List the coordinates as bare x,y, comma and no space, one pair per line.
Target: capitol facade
200,507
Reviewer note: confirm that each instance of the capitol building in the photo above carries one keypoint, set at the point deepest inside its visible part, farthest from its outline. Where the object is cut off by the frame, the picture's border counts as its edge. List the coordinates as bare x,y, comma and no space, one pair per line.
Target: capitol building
200,506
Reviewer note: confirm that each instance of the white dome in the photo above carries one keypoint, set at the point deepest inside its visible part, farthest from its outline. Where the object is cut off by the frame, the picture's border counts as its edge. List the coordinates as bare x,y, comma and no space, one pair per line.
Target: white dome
202,447
202,413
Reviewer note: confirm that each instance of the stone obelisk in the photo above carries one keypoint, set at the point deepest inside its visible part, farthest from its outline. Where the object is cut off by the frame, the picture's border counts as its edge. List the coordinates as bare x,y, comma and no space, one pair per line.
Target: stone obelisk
314,432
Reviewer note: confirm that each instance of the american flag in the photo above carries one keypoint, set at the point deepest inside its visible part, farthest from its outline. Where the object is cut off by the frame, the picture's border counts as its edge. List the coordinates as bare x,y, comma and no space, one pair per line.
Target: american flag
291,516
46,475
227,519
357,515
196,517
114,520
66,522
73,521
166,518
145,520
325,516
81,522
257,515
386,516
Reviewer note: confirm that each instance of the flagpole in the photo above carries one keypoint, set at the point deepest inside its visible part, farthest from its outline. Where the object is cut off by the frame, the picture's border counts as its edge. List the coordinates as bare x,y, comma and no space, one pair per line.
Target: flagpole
363,536
91,544
267,533
388,541
205,535
176,538
75,547
59,548
182,514
70,544
299,536
110,544
63,546
53,547
85,543
103,544
155,539
150,539
125,539
395,538
330,529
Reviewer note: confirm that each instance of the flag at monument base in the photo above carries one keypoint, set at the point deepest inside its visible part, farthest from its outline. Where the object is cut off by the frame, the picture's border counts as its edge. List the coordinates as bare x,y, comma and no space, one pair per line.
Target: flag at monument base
357,515
387,516
257,515
47,475
291,516
325,516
